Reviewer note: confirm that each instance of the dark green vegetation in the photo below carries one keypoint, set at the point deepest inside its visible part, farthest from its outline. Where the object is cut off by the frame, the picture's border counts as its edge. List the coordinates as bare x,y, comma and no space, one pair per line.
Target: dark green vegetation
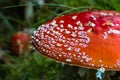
30,65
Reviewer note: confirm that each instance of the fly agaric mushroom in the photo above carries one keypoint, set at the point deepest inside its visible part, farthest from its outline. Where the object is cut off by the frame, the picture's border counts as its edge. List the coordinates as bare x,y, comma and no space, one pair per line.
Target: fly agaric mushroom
20,42
87,39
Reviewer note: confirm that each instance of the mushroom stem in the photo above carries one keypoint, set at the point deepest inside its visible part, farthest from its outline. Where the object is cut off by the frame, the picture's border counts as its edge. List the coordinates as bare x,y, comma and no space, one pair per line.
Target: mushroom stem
99,73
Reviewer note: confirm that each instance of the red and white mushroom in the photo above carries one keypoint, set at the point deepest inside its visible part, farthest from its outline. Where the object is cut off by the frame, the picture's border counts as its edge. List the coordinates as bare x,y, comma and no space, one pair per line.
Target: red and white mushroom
20,42
89,39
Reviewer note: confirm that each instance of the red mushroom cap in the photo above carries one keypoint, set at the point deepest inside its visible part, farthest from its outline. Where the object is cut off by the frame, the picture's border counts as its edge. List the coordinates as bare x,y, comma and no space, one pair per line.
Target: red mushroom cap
88,39
20,42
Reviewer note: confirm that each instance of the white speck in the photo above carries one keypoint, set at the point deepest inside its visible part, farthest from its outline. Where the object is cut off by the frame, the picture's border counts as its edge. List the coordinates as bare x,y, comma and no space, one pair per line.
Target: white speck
58,44
59,49
83,53
84,45
100,60
114,31
89,30
70,26
63,41
73,34
61,26
92,64
75,28
48,32
99,73
61,30
110,31
116,24
46,26
74,55
67,32
88,59
118,63
102,65
81,33
79,53
81,28
103,14
52,46
88,40
53,41
79,57
50,27
89,23
42,36
84,57
59,55
46,51
53,23
77,49
93,17
69,48
66,45
74,17
110,14
72,43
68,60
69,54
37,40
78,23
111,24
39,27
81,60
58,28
61,21
43,50
56,32
36,34
117,14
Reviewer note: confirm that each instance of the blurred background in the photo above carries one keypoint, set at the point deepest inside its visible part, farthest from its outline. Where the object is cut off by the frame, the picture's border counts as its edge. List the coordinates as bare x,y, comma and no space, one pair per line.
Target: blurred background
20,18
